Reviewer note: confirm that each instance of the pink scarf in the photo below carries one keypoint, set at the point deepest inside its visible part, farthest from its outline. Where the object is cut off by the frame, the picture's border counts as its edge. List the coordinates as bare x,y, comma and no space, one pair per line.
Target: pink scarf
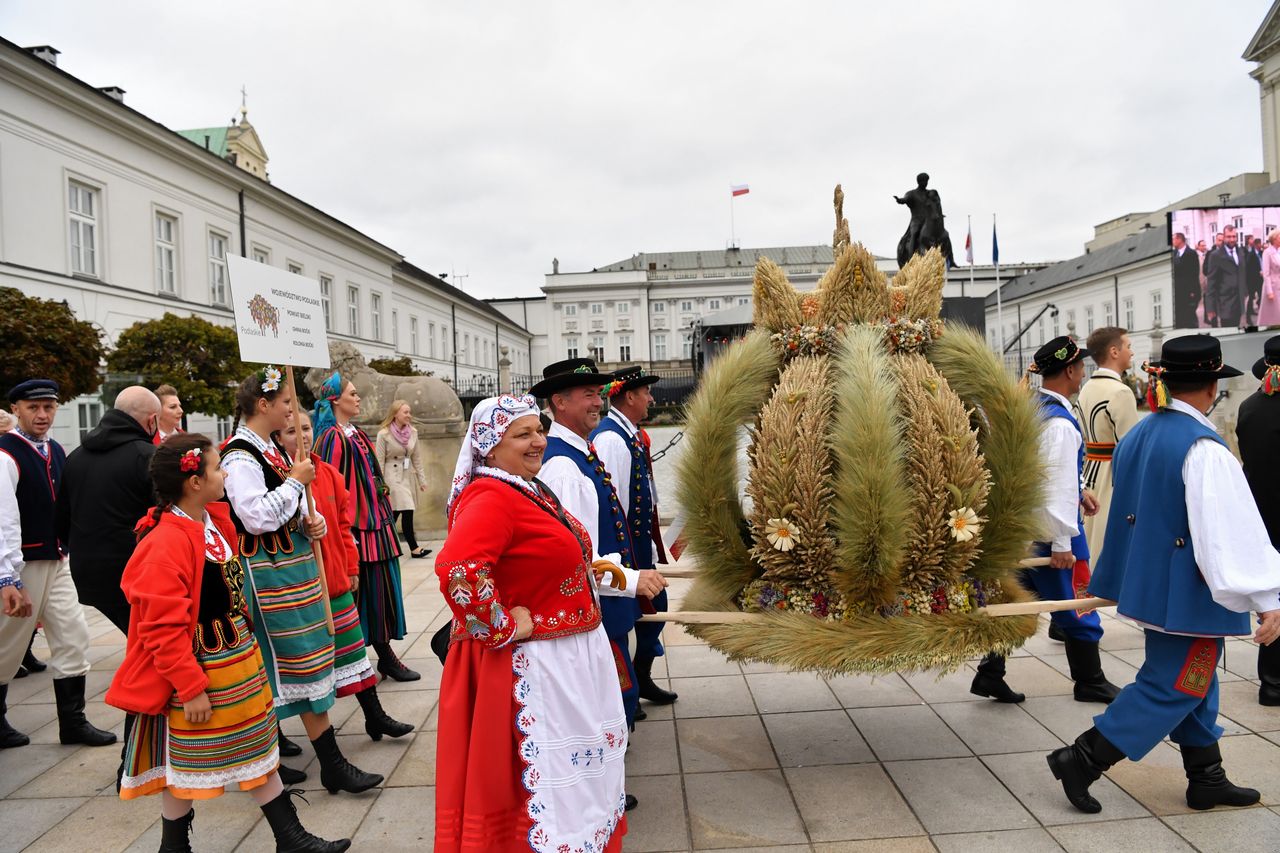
402,433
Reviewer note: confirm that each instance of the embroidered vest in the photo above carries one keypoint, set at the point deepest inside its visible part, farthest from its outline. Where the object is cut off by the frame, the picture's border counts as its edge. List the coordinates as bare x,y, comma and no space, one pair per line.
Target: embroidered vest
221,602
38,480
1149,564
640,500
1051,407
277,541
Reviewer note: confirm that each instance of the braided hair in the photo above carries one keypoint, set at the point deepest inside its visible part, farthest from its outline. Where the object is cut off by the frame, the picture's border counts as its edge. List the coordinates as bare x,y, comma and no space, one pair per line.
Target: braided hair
248,393
167,476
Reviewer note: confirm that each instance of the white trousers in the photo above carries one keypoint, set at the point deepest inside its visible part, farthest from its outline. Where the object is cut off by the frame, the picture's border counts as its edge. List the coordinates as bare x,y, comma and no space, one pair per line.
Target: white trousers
56,606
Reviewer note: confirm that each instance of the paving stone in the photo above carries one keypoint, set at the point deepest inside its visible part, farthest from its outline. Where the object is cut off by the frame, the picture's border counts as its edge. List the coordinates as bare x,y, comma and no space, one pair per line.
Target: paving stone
808,738
1063,715
659,823
388,826
1119,635
713,696
1253,830
334,817
957,795
952,687
873,691
750,808
903,733
1241,658
1146,834
692,661
717,744
1238,700
418,766
19,766
24,821
851,802
993,727
1253,762
1028,777
1008,841
918,844
1157,781
790,691
653,749
1033,677
220,824
100,823
83,773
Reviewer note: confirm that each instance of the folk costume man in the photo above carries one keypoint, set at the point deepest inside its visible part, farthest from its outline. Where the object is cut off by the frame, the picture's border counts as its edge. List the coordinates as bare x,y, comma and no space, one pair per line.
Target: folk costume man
1187,557
35,577
1106,409
1059,364
1258,434
626,459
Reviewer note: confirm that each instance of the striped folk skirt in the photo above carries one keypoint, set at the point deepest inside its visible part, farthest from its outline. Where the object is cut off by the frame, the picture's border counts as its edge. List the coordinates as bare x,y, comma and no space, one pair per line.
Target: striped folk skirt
351,667
237,749
288,620
380,596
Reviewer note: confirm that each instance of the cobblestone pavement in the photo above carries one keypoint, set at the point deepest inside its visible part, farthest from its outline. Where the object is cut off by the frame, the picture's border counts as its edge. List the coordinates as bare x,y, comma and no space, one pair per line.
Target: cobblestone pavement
752,757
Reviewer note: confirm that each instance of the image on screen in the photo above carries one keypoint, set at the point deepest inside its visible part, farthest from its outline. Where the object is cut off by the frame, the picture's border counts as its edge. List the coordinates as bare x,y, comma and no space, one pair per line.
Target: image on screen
1226,267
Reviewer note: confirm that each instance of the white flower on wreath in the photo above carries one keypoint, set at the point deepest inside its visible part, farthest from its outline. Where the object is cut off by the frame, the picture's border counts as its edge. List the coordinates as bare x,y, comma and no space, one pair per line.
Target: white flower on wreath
782,534
964,524
271,379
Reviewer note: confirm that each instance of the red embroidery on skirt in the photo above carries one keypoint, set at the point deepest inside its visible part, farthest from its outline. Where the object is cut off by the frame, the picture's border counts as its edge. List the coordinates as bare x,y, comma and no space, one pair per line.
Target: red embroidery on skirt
1197,671
624,675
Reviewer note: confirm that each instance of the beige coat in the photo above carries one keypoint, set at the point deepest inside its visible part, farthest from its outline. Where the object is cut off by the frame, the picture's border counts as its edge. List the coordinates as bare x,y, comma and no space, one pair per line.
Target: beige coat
1106,409
401,469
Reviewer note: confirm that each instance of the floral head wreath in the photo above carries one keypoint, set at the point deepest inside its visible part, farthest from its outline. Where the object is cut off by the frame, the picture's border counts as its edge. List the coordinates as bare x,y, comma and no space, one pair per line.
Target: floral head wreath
1157,390
190,461
270,378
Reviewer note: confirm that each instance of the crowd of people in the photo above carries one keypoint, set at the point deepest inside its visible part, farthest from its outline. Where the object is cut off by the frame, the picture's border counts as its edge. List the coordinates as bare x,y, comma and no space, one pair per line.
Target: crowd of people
250,579
1235,283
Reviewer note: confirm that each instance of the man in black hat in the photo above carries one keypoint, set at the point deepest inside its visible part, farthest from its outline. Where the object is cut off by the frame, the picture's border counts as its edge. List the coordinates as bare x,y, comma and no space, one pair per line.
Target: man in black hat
35,579
626,458
1060,365
1187,557
1258,434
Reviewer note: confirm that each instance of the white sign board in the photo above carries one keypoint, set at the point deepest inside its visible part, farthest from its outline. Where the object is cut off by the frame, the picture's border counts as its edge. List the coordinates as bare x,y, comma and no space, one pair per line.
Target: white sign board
279,316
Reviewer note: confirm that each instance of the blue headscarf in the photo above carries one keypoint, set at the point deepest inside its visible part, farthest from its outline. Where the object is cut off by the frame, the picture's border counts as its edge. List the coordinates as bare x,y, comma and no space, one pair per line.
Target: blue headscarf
322,416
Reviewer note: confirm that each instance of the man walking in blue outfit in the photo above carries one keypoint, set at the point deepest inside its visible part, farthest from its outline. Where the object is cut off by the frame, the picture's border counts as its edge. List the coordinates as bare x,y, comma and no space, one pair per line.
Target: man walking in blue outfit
1187,557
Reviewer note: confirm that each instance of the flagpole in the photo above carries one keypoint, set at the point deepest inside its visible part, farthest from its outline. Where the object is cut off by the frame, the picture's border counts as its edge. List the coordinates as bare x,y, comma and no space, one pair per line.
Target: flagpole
999,301
970,254
733,240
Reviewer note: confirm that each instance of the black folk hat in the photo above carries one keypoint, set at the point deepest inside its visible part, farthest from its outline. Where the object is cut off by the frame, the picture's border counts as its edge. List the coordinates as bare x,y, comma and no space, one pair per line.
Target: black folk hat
1193,358
1270,357
1057,355
629,379
34,389
570,373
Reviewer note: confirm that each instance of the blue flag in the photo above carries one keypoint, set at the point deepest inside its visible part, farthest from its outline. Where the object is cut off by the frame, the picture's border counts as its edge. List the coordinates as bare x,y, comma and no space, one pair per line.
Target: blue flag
995,247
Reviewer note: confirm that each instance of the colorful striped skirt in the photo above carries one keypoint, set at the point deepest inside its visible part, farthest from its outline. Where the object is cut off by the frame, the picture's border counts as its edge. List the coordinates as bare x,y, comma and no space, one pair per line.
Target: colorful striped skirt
288,620
351,667
380,595
196,761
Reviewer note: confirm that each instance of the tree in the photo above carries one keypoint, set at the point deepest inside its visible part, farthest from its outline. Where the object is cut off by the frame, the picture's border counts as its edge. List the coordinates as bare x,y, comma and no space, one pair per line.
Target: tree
402,366
198,358
44,339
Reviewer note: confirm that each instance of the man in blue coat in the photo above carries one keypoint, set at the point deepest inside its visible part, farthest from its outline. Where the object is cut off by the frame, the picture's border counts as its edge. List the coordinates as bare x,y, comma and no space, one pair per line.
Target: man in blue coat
1186,556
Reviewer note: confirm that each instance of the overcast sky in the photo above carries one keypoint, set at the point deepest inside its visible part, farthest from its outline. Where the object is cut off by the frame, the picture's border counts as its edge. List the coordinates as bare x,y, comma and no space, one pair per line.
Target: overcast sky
488,138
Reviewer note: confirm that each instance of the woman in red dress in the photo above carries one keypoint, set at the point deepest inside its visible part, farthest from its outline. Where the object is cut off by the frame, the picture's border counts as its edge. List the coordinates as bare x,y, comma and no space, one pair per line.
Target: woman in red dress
532,735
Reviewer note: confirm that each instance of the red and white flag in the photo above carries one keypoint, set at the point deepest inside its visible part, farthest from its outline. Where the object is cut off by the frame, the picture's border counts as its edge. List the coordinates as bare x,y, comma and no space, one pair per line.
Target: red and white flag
968,246
739,189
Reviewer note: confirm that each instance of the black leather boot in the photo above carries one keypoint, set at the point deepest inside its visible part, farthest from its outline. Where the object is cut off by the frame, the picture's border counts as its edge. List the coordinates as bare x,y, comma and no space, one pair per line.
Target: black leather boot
1056,633
175,835
649,690
1086,671
1269,674
391,666
338,774
989,681
73,727
29,661
288,830
1207,782
288,749
378,722
1078,766
10,737
289,776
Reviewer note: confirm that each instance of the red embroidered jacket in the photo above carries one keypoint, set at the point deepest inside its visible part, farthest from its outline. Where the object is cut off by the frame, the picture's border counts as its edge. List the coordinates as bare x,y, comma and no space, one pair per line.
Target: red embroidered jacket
508,549
162,583
341,561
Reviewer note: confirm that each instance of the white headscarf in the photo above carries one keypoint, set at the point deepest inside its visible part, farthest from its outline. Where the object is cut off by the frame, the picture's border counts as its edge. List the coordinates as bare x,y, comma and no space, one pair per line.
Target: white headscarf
489,422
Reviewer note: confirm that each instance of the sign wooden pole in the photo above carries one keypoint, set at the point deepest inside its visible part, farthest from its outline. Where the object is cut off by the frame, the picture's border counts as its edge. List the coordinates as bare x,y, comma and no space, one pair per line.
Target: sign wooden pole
311,504
738,617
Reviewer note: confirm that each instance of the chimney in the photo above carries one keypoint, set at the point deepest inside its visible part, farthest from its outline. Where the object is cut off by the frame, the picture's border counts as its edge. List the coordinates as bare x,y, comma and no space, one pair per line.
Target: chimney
115,93
45,52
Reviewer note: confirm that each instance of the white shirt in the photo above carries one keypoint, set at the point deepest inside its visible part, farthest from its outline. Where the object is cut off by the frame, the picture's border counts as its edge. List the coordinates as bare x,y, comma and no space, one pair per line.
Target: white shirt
1060,451
577,495
259,510
10,522
616,456
1231,544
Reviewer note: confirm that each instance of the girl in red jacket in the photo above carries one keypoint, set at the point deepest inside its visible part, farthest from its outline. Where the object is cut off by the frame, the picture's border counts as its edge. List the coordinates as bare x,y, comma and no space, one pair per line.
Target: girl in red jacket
351,667
200,718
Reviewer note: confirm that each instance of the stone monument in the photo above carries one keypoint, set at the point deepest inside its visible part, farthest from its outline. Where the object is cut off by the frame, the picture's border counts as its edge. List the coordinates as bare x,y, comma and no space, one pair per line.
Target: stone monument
925,231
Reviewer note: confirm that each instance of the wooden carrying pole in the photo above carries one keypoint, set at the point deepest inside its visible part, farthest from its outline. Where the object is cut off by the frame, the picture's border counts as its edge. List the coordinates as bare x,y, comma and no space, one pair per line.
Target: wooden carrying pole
311,504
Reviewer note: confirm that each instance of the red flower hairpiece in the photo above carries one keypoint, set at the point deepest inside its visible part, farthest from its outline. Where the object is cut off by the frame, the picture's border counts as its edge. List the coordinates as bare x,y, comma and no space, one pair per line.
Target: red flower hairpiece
190,461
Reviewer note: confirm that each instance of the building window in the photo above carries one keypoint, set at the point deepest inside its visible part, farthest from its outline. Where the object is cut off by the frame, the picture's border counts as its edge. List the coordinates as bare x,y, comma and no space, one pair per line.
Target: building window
1088,319
659,307
713,305
624,347
1108,314
1056,325
395,328
1071,321
375,316
686,345
166,253
597,307
686,306
90,414
570,310
597,348
624,307
353,310
1040,331
431,340
413,335
660,347
83,207
744,300
571,348
218,268
1128,313
224,427
1157,308
296,269
445,342
466,348
261,255
326,293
